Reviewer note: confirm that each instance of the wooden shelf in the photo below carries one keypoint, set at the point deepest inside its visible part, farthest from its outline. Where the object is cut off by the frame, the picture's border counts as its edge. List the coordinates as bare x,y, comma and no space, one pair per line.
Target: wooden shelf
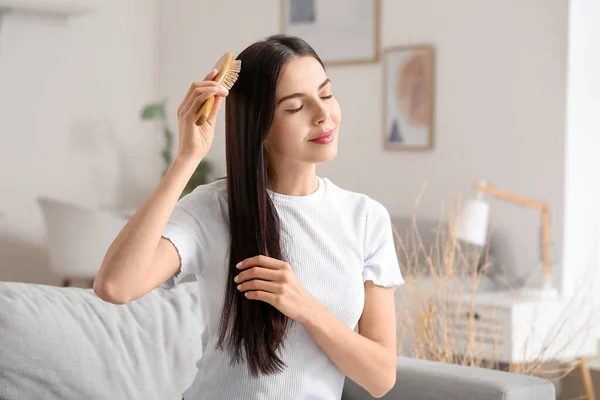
51,8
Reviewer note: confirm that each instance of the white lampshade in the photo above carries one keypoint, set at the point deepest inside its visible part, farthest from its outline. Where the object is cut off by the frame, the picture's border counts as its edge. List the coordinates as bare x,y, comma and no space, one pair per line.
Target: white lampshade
473,222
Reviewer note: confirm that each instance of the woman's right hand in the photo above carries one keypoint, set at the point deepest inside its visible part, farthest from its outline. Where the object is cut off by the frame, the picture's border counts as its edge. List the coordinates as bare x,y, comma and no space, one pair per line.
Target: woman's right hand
195,141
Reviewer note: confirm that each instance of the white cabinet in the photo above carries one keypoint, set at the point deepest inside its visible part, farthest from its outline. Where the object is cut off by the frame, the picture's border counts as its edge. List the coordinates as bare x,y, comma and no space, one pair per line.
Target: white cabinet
491,325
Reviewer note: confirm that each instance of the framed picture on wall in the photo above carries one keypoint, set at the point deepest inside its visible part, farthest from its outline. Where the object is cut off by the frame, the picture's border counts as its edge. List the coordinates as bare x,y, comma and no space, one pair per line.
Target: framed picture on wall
340,31
408,82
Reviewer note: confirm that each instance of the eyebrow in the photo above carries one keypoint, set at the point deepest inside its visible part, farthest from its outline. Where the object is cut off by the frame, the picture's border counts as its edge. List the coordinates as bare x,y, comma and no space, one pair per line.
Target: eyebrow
294,95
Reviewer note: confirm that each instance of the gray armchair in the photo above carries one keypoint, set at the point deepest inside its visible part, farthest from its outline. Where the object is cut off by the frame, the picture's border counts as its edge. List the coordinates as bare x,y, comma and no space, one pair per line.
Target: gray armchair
429,380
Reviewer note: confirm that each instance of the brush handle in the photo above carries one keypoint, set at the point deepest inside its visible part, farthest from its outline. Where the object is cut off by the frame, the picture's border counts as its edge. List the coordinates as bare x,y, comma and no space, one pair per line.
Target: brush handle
205,110
222,66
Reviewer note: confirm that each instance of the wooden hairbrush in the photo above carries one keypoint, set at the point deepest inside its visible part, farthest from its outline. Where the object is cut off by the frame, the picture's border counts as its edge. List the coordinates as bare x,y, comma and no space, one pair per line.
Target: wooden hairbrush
229,70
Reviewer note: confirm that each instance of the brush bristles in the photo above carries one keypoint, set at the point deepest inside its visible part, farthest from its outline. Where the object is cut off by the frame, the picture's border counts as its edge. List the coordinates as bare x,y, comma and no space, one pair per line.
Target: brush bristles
232,74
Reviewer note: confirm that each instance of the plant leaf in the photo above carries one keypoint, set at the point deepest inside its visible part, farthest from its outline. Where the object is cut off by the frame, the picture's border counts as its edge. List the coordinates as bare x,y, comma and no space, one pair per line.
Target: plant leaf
154,111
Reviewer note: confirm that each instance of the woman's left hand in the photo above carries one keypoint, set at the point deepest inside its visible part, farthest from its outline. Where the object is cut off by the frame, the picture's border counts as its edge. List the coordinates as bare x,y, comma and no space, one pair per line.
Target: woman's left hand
273,281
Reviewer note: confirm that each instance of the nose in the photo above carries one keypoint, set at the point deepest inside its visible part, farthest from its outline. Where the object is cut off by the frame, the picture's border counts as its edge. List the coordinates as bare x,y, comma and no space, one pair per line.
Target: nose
321,114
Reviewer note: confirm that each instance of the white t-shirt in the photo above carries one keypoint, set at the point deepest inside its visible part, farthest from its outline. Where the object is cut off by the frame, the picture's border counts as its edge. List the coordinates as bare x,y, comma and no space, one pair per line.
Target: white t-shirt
335,240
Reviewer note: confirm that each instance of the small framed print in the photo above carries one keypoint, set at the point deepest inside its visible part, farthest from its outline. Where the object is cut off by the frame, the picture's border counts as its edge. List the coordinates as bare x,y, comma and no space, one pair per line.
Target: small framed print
341,31
408,81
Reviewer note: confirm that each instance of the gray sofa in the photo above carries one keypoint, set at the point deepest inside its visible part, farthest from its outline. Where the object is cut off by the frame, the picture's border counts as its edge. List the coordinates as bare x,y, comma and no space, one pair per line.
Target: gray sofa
65,343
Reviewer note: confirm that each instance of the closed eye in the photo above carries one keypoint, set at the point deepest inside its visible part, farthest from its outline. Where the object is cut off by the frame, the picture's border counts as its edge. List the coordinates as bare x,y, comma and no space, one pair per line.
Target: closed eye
295,110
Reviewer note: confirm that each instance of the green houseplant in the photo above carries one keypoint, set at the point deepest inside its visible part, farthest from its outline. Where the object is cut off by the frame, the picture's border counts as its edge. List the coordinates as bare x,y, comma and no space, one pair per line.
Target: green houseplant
157,112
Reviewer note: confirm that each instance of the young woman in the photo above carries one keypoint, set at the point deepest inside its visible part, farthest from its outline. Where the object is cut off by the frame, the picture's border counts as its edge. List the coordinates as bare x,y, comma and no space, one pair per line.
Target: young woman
296,274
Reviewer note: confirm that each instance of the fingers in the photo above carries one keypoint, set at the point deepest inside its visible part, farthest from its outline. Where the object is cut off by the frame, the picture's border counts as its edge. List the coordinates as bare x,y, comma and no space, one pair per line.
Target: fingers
196,89
258,273
262,296
212,117
207,80
211,75
199,96
262,261
265,286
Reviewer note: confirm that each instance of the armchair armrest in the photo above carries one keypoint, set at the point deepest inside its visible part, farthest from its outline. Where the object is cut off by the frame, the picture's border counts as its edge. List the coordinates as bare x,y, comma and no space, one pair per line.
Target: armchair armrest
429,380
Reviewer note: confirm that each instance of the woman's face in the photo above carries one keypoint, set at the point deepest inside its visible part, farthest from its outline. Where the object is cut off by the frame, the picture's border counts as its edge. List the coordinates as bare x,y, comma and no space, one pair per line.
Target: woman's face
304,109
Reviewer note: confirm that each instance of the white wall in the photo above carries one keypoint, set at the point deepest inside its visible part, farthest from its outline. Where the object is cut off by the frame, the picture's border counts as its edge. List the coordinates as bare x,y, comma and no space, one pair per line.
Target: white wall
70,94
500,97
582,180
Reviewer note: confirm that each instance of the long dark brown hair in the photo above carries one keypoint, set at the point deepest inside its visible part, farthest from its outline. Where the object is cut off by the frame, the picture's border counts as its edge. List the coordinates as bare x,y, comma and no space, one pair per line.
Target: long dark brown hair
254,330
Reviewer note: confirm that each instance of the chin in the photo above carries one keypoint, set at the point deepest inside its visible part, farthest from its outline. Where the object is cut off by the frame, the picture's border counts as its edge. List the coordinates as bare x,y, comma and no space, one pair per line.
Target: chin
323,155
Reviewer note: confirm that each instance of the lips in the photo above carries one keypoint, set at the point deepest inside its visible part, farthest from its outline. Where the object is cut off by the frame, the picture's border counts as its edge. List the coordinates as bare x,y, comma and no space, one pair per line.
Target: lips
322,135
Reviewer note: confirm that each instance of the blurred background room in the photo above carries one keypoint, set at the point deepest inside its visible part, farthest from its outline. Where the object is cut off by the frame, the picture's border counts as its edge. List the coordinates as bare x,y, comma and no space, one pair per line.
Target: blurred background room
475,122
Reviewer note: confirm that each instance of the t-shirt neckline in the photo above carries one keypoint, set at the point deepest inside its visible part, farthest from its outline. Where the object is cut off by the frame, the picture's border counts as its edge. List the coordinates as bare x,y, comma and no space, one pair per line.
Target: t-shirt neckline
309,198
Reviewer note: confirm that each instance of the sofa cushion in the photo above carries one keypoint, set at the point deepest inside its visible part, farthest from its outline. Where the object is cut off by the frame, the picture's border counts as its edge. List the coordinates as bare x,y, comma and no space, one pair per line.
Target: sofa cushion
66,343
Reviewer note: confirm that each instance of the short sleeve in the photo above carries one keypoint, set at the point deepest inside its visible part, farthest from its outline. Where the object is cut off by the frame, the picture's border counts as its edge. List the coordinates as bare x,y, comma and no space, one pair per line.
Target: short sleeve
381,261
191,229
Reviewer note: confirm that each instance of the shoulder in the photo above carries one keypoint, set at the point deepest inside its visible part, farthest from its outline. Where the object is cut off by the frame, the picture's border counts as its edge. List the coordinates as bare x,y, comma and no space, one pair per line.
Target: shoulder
206,195
359,203
215,188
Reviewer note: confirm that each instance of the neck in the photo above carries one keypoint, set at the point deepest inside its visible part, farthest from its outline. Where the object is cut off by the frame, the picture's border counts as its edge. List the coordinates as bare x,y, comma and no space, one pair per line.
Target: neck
298,181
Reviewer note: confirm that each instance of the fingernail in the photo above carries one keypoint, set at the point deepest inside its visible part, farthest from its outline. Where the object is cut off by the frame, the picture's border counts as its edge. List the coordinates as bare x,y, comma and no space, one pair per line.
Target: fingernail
238,264
239,287
236,278
224,89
